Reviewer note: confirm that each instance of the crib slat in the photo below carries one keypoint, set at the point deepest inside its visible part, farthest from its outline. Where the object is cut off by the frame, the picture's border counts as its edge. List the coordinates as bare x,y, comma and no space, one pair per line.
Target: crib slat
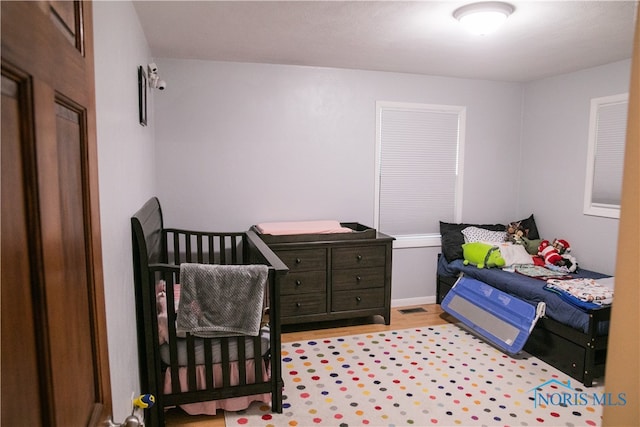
224,347
211,250
191,363
234,251
257,358
242,367
176,248
223,250
208,363
187,246
169,280
200,251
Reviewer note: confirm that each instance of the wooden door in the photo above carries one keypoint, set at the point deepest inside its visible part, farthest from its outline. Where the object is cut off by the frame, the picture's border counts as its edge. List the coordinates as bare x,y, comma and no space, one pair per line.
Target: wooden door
623,369
54,353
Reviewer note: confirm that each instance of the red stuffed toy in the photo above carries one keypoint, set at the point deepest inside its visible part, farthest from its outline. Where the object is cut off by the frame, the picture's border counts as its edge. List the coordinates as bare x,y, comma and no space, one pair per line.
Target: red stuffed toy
561,245
549,253
558,254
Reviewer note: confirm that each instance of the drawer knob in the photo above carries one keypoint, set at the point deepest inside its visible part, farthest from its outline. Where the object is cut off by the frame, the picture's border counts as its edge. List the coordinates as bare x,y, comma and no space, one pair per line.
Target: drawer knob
358,299
298,283
359,257
358,278
298,260
298,305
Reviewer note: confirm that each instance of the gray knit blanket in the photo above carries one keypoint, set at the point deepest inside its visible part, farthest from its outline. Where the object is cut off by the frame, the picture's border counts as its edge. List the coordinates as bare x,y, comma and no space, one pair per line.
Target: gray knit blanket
221,300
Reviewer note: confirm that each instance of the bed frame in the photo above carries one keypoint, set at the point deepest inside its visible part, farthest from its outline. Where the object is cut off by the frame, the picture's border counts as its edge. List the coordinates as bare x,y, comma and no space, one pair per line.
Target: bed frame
578,354
157,254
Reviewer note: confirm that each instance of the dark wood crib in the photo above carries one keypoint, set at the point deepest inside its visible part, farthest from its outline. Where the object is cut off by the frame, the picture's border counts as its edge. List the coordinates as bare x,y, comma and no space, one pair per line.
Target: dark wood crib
157,255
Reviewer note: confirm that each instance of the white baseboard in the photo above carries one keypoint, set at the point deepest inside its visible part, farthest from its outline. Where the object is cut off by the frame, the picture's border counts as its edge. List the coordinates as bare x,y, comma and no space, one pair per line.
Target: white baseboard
406,302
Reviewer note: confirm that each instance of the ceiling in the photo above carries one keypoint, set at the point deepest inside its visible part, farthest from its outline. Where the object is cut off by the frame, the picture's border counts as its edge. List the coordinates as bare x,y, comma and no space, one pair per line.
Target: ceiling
540,39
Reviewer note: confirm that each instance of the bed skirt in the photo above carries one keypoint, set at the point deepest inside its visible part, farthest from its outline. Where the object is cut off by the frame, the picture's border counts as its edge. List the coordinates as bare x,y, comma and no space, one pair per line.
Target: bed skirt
231,404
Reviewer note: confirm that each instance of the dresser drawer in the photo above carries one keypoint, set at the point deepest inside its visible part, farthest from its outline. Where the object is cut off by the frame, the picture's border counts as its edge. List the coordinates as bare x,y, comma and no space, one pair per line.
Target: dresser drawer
359,256
357,299
304,282
303,259
299,305
357,278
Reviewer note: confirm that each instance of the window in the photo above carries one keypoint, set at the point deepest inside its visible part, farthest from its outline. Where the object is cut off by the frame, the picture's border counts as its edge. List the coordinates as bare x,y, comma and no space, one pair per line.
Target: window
419,151
605,155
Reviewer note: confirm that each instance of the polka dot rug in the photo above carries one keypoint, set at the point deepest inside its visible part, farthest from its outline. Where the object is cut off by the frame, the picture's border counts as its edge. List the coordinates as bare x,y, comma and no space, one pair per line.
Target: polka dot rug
429,376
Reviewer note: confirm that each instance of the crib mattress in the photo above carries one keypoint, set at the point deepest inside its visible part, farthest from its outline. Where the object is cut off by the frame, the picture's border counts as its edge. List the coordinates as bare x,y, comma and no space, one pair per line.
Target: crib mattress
199,349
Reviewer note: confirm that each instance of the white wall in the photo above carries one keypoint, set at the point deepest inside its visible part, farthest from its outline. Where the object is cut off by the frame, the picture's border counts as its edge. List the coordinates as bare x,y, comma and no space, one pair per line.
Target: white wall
126,179
239,144
554,155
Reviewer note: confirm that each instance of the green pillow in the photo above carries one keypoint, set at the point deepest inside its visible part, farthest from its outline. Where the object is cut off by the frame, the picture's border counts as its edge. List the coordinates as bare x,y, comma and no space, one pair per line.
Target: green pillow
482,255
531,245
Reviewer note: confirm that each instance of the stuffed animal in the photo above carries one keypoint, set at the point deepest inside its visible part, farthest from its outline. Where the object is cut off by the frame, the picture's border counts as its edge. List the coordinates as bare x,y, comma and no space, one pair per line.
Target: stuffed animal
569,262
561,245
515,232
161,307
531,245
557,255
482,255
144,401
548,253
564,249
519,235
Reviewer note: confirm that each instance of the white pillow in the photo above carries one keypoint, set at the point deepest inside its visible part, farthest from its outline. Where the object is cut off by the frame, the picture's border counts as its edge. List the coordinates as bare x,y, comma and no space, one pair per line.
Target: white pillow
475,234
514,254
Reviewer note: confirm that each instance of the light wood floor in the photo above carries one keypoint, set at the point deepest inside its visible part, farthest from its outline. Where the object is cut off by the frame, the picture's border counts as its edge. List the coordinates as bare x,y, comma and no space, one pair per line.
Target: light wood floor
433,315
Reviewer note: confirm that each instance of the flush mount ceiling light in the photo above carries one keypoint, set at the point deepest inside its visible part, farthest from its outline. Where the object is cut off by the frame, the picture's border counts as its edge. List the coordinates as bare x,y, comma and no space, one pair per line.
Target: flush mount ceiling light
484,17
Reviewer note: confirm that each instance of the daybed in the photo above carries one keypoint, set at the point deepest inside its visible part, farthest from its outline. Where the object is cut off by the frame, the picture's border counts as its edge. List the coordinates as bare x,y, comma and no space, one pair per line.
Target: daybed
201,374
571,338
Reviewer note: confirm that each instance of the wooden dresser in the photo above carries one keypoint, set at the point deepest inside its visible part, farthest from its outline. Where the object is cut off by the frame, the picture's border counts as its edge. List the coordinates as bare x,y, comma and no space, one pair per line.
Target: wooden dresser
334,276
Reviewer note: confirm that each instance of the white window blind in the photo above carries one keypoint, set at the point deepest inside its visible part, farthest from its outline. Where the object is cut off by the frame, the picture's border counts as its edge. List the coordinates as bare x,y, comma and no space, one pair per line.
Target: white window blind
607,134
418,164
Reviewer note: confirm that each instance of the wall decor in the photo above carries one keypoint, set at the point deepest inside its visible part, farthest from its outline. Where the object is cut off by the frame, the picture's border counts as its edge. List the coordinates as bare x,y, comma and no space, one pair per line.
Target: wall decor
142,96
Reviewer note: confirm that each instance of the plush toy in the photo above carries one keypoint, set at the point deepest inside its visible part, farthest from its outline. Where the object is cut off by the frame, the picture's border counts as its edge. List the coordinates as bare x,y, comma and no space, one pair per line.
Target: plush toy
564,249
516,232
161,307
531,245
144,401
548,253
519,235
557,255
482,255
561,245
569,262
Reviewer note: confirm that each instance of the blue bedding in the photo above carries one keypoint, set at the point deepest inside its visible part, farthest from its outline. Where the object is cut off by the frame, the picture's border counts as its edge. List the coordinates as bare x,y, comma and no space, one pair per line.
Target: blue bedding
528,289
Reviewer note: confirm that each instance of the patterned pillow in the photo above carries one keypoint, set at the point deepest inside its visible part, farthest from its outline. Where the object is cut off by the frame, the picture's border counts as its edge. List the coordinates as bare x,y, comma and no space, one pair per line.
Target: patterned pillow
475,234
453,239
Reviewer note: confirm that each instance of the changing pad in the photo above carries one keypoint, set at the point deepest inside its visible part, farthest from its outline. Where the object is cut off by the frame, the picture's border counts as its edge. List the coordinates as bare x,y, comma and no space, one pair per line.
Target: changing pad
302,227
